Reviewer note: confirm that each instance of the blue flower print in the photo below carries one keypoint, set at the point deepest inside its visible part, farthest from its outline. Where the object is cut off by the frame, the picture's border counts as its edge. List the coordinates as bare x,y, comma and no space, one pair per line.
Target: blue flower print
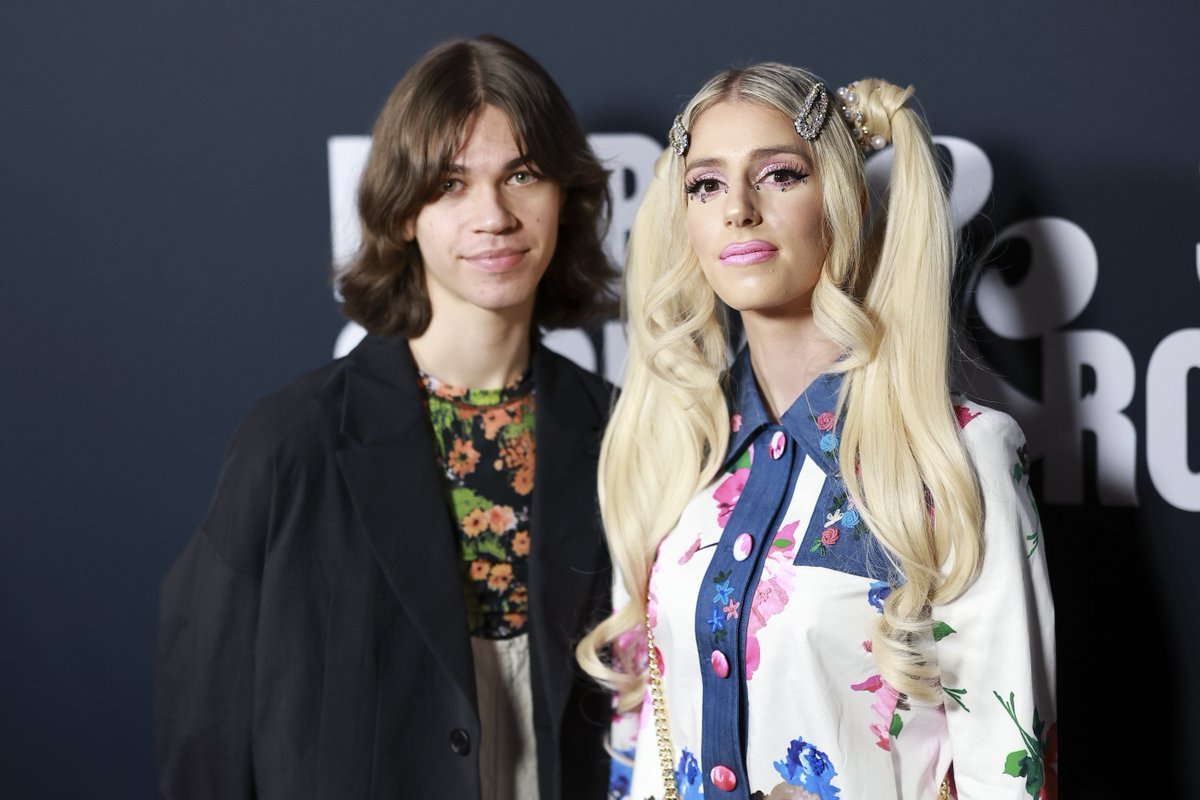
723,592
716,619
809,768
687,777
620,775
829,443
849,519
877,593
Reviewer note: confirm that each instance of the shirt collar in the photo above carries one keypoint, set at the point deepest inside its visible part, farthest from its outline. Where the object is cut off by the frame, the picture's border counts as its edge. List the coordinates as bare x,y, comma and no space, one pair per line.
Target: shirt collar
810,420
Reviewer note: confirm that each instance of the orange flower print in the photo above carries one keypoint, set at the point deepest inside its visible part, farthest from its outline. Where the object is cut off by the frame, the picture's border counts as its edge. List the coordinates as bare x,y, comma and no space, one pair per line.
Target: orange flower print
493,420
474,523
501,518
522,480
463,458
519,595
519,451
520,543
464,412
479,570
500,577
515,620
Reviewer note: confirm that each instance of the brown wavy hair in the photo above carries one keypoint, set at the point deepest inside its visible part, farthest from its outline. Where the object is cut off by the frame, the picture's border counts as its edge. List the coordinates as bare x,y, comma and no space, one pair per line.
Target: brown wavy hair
421,127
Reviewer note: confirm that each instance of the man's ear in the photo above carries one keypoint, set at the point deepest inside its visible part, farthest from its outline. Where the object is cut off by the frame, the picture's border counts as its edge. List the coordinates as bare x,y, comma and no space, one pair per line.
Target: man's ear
408,229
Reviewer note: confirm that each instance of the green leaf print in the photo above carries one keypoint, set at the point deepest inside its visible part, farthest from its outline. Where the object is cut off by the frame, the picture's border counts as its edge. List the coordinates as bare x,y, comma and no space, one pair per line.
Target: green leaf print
956,696
441,414
743,462
465,501
781,543
1015,763
897,724
941,630
1026,764
489,545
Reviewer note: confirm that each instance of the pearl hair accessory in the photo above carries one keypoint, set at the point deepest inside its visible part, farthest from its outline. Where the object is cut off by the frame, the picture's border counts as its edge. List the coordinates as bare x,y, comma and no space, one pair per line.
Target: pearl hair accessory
862,136
678,137
811,119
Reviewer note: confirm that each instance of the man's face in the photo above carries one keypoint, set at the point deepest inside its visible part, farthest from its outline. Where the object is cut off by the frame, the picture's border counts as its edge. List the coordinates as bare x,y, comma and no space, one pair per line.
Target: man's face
489,235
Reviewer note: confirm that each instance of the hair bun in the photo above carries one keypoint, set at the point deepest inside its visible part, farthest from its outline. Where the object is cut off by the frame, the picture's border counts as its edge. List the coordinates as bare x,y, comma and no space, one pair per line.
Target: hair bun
867,106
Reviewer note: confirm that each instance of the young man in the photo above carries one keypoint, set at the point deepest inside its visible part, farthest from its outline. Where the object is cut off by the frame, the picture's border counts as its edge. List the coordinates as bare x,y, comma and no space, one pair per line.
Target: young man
404,545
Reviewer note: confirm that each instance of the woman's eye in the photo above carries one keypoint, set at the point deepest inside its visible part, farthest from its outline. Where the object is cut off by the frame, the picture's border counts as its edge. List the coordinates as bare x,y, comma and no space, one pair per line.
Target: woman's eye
522,178
782,178
451,185
703,189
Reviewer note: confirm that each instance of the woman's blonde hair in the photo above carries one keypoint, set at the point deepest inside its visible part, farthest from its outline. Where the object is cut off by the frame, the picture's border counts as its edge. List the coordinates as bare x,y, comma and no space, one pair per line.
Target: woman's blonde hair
882,296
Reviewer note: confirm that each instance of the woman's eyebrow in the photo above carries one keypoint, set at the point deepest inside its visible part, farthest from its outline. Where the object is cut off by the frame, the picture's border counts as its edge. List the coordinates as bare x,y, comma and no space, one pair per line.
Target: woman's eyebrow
754,155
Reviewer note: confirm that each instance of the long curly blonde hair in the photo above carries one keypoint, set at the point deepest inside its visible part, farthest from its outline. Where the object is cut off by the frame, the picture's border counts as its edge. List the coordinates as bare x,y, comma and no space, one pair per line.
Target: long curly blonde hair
882,296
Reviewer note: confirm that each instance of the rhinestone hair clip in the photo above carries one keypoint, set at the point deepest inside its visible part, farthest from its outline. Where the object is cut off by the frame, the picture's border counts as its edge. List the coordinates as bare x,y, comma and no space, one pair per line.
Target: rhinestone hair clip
862,136
678,137
811,119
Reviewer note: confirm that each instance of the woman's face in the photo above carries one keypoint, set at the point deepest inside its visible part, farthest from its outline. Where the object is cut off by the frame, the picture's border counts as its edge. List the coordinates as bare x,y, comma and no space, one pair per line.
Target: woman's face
754,211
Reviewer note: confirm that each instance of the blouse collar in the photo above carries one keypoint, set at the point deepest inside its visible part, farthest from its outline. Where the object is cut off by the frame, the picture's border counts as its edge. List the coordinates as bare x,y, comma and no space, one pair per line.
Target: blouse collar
810,420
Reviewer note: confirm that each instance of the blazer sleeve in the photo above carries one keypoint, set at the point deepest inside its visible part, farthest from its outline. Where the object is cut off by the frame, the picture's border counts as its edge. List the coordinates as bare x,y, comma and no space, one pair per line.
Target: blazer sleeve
207,624
995,643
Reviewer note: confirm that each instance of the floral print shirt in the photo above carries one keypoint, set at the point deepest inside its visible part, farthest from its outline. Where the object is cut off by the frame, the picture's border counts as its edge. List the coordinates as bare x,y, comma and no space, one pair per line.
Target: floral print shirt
762,601
484,443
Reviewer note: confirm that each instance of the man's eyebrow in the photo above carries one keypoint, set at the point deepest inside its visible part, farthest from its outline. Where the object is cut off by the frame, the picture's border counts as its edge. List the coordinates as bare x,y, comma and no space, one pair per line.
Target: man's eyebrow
519,161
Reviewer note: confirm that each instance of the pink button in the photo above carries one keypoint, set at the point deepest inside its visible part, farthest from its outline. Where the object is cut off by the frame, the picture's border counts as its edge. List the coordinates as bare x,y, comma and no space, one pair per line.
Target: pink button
742,546
720,664
778,443
723,778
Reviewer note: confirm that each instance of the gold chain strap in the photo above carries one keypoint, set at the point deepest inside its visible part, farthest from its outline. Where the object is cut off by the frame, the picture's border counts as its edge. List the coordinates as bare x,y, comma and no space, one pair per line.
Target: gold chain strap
666,753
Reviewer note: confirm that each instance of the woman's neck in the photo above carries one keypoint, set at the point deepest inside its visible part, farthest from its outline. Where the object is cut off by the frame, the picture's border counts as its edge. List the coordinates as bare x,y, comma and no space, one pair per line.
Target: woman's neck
786,353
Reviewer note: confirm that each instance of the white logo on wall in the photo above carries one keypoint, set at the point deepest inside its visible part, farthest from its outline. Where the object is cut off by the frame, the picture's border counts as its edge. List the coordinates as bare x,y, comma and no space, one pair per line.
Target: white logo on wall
1057,287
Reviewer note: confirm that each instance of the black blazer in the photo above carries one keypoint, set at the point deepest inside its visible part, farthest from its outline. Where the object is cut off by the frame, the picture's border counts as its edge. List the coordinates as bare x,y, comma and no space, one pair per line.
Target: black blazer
312,636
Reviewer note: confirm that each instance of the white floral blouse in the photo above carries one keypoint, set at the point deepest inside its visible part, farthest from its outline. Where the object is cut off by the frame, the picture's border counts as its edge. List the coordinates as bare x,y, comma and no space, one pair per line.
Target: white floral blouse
762,602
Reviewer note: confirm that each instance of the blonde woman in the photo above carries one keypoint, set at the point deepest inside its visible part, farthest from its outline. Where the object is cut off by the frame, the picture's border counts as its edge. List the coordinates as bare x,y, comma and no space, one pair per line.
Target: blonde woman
835,562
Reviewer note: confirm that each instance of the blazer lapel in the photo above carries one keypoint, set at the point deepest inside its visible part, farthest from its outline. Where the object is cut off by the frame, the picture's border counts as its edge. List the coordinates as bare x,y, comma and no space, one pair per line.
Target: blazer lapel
388,464
567,541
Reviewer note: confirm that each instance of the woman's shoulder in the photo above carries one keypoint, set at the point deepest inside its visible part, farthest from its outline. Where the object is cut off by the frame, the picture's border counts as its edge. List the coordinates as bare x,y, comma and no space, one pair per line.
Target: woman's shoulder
995,443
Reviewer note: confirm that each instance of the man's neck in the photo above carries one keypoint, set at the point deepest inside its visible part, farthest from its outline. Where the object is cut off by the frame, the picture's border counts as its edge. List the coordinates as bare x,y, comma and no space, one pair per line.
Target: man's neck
483,351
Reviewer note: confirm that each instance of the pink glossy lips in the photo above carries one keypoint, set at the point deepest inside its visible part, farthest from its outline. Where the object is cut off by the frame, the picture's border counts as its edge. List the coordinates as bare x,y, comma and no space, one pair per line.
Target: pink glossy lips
750,252
496,260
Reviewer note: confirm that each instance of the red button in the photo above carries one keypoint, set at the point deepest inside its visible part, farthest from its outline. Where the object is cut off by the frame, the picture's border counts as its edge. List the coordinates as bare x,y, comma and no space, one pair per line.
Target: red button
720,664
723,778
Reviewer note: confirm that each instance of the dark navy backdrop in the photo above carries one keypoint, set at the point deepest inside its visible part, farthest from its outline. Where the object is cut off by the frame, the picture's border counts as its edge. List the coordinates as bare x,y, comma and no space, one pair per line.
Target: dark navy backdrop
165,237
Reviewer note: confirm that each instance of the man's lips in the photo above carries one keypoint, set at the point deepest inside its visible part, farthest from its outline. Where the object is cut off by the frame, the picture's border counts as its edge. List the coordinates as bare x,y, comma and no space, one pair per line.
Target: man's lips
496,260
748,252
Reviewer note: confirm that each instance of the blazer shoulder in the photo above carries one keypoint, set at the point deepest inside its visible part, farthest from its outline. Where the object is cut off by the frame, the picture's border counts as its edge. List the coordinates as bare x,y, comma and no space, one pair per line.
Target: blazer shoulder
297,419
566,372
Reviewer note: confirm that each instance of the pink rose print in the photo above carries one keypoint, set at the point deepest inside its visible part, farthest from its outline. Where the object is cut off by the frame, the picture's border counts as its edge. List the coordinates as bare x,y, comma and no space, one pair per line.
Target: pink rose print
691,551
884,706
735,423
771,595
728,493
825,421
829,536
964,415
